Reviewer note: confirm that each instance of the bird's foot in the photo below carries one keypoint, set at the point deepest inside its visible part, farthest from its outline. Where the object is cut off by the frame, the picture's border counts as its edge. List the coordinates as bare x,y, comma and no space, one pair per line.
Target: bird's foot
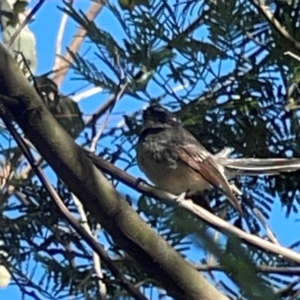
235,189
140,181
225,153
182,197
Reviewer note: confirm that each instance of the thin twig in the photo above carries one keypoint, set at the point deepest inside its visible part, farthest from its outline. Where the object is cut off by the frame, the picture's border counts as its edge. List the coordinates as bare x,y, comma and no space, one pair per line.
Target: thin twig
265,10
63,64
59,38
113,102
87,93
290,271
98,268
293,55
264,222
108,104
96,258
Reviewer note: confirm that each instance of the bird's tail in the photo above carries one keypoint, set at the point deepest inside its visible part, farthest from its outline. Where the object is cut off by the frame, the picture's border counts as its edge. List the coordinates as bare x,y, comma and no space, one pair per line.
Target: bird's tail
259,166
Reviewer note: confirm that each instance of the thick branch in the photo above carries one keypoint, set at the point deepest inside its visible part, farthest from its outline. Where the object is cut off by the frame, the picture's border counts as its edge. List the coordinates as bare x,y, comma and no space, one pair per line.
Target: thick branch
83,230
70,162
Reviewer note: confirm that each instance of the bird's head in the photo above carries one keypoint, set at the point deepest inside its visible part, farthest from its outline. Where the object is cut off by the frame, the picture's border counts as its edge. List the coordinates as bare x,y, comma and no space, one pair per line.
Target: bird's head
156,116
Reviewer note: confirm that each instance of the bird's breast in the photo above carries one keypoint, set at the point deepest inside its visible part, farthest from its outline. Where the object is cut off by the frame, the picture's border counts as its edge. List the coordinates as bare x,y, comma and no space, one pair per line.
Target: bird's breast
173,176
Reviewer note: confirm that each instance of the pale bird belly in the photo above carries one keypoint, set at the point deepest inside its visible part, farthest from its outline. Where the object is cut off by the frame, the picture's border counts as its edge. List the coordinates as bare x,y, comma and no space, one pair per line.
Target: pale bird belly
176,181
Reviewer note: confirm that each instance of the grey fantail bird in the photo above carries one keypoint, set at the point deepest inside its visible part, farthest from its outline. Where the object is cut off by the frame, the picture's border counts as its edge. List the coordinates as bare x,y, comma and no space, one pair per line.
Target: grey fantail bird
175,161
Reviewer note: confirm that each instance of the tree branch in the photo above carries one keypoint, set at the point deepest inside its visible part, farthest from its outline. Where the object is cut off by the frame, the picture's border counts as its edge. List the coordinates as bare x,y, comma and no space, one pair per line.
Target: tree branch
290,271
158,259
81,230
264,9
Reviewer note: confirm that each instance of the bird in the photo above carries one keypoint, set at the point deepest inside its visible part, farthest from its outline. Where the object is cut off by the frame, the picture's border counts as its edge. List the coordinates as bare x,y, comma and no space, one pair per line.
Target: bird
175,161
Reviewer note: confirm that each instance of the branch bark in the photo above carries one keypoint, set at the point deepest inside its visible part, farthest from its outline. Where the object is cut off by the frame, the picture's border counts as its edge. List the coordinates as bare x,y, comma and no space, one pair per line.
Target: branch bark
158,259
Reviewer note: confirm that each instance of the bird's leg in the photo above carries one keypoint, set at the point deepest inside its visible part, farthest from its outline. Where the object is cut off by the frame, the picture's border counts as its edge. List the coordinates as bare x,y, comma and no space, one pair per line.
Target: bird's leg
200,199
225,153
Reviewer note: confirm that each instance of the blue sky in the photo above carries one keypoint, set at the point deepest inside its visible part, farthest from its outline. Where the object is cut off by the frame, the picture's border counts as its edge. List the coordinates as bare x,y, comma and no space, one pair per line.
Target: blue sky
45,28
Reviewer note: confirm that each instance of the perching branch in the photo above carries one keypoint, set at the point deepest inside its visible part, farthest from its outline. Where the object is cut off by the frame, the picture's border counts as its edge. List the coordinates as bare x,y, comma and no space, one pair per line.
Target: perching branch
214,221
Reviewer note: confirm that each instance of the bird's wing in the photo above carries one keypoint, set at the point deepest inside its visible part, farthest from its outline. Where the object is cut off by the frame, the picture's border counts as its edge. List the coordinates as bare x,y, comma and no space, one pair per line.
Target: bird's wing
202,161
